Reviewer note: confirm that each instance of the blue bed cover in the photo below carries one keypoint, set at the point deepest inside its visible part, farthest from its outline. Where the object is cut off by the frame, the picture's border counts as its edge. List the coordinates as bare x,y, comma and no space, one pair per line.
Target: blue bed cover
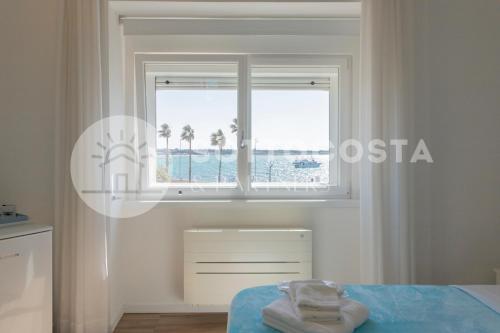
393,309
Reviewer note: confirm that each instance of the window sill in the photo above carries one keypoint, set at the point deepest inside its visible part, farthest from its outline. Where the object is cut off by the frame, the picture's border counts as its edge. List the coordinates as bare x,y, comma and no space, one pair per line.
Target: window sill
333,203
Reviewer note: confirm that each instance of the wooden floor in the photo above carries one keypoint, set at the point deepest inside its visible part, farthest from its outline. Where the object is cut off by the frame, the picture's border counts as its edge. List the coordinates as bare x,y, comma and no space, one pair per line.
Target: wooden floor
172,323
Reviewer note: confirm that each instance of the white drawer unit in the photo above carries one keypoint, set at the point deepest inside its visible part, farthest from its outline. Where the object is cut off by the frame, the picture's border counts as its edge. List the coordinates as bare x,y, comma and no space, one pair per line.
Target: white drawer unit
218,263
26,278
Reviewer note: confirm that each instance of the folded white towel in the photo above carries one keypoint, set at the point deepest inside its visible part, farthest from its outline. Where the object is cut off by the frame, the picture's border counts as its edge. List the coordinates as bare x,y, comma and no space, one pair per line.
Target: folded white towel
315,315
279,325
317,296
314,300
281,316
285,285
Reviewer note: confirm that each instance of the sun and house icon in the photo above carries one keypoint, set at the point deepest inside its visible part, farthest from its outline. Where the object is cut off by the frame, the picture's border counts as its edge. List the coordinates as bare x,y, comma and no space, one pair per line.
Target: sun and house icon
121,165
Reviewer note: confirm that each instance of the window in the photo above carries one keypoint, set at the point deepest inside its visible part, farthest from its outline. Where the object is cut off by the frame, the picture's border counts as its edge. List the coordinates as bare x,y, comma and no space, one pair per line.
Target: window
196,111
246,126
290,126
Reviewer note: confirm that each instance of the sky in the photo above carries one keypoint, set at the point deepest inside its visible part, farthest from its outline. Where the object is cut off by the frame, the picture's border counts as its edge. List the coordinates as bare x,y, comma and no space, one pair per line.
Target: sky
292,119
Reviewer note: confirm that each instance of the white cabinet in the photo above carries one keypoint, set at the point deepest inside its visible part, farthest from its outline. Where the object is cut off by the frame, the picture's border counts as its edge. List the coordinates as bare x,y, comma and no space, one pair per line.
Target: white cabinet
26,279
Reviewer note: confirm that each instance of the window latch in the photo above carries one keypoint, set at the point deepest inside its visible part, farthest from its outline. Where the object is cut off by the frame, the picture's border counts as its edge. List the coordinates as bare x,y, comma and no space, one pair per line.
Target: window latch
243,144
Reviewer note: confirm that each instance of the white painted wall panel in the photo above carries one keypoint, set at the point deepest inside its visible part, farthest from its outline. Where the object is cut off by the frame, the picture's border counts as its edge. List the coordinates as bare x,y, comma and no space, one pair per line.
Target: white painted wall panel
150,248
29,33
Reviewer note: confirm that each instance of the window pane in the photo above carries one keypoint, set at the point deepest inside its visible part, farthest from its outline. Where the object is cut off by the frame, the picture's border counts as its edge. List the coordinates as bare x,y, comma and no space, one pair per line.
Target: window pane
196,111
290,131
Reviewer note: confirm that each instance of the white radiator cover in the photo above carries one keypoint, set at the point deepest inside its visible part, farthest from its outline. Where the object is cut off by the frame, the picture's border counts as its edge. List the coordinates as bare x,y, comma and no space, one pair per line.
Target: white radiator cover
218,263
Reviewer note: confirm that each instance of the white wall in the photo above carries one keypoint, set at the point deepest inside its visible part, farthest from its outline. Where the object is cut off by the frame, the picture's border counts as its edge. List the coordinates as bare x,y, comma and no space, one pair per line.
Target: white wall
28,38
465,127
150,261
147,272
459,224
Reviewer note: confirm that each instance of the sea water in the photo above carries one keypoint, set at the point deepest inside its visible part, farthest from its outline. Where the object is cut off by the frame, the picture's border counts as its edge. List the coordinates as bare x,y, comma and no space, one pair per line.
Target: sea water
264,168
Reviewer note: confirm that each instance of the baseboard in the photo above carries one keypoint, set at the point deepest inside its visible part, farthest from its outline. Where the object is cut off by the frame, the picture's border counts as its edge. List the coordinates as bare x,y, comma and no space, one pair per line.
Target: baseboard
116,319
173,308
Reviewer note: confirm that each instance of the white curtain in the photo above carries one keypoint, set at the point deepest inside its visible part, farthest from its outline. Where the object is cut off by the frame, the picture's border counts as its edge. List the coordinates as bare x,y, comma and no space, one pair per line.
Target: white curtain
387,38
80,267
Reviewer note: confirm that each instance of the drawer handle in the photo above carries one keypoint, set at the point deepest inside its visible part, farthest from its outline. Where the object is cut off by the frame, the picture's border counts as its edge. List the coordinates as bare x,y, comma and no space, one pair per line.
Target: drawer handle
13,255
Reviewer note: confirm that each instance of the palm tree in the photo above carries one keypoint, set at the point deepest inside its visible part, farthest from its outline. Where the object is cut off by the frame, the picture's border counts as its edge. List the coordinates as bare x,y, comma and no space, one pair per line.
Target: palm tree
270,167
165,132
218,139
234,129
188,135
234,126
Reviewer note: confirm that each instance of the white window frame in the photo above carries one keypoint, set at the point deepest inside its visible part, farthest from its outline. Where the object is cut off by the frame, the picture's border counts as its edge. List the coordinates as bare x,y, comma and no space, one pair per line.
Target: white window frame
340,124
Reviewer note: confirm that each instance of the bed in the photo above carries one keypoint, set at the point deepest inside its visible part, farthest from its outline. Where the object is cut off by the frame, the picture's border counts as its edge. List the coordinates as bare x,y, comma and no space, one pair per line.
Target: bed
393,309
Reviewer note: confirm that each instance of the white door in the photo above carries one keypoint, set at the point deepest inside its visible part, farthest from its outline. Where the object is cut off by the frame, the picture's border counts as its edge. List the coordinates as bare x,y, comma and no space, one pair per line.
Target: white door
26,284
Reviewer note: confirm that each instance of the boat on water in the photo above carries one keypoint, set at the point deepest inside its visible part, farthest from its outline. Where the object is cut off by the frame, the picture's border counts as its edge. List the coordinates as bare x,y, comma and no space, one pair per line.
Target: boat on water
306,164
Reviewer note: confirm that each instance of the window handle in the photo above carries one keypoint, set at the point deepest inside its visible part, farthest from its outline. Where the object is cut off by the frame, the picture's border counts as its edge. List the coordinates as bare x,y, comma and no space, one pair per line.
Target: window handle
243,144
8,256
